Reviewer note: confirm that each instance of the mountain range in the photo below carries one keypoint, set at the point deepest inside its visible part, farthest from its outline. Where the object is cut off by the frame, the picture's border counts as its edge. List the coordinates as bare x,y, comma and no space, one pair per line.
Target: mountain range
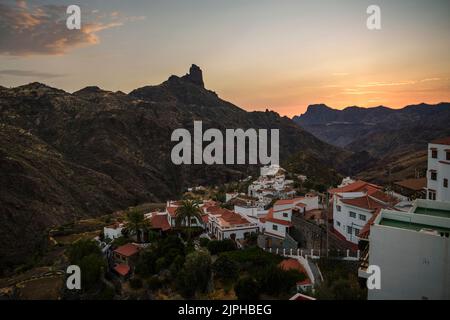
66,156
387,143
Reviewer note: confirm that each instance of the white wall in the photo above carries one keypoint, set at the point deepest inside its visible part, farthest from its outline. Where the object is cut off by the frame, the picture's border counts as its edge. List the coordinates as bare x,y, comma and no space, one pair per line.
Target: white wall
413,265
343,217
443,172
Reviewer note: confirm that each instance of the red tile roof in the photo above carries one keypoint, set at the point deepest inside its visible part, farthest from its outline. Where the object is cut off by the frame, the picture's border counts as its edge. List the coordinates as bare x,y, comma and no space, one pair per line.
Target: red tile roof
356,186
269,217
413,184
365,202
172,211
122,269
365,231
294,264
160,221
127,250
444,141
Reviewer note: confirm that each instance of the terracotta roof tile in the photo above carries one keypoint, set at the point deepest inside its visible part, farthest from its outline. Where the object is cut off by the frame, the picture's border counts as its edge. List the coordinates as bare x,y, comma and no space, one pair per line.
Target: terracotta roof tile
127,250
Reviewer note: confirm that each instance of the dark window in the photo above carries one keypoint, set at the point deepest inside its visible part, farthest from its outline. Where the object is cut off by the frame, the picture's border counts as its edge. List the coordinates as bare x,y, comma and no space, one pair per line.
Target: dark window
433,175
447,155
274,227
431,195
445,183
356,232
285,214
338,208
362,217
349,230
434,154
338,223
352,214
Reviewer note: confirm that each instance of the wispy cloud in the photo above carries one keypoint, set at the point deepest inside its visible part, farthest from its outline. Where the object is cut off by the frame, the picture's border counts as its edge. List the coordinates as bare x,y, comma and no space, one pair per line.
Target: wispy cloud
28,73
41,30
399,83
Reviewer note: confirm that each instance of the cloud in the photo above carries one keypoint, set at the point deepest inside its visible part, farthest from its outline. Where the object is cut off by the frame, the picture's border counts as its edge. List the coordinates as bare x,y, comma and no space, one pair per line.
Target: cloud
41,30
400,83
29,73
340,74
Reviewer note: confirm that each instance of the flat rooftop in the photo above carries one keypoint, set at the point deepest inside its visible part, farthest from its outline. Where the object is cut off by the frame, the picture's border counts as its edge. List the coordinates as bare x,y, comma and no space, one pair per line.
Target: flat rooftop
411,225
432,212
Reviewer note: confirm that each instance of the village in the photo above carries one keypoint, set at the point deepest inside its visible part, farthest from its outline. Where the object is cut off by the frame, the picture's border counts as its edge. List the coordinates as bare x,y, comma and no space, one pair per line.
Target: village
267,240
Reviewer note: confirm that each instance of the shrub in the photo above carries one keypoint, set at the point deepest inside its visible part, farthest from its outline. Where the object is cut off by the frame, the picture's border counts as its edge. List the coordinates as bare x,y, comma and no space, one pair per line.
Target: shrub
136,283
218,246
204,242
246,289
196,274
226,269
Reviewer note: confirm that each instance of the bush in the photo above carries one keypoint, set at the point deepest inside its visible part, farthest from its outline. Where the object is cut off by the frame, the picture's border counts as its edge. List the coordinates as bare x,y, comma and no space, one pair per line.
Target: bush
195,275
226,269
136,283
275,281
204,242
154,283
218,246
82,248
247,289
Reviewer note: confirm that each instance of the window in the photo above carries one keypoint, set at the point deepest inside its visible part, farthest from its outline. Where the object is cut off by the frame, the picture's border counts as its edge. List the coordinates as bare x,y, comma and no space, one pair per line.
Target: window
447,156
338,223
445,183
434,153
338,208
433,175
193,221
352,214
349,230
274,227
356,232
285,214
362,217
431,195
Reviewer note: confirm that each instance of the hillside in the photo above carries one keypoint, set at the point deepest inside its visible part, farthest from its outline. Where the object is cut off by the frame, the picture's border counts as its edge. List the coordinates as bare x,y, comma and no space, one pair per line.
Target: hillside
385,138
70,155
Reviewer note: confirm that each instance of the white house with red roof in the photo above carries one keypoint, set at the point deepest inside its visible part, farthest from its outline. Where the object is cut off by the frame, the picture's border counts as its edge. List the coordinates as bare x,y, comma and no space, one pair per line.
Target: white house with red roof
226,224
171,208
438,174
353,206
278,221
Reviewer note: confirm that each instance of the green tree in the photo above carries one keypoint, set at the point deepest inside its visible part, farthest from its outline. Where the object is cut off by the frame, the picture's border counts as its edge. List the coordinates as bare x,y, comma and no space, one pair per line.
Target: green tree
136,222
226,269
92,270
247,289
82,248
188,210
196,274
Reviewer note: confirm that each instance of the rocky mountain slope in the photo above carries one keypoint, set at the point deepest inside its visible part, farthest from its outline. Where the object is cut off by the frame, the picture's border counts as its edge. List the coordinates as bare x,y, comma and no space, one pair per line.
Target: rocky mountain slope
385,138
65,155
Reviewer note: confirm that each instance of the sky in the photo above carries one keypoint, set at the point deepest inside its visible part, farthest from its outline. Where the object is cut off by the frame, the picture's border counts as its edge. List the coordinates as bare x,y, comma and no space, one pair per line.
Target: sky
257,54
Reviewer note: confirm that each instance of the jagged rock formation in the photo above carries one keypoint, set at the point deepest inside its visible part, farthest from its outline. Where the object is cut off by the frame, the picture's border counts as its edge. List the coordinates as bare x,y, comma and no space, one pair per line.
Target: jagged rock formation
66,156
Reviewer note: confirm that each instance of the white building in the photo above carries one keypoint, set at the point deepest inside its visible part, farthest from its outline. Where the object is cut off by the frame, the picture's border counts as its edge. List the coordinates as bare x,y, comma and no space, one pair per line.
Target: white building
353,206
438,174
171,211
412,250
271,184
278,220
114,231
227,224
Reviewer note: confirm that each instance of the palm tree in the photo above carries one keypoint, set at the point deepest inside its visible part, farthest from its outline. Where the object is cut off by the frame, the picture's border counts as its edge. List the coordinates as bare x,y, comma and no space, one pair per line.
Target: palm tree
136,222
186,211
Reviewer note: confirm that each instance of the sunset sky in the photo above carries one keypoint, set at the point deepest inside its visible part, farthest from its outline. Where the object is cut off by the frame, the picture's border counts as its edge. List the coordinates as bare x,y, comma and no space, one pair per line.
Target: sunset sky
258,54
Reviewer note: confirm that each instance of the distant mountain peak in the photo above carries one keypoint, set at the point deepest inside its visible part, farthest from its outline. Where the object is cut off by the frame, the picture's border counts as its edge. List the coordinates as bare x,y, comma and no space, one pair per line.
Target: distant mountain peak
89,90
195,75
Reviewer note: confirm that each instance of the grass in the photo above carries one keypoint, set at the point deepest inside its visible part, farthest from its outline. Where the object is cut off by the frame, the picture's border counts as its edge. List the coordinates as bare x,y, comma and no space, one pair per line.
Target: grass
42,289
